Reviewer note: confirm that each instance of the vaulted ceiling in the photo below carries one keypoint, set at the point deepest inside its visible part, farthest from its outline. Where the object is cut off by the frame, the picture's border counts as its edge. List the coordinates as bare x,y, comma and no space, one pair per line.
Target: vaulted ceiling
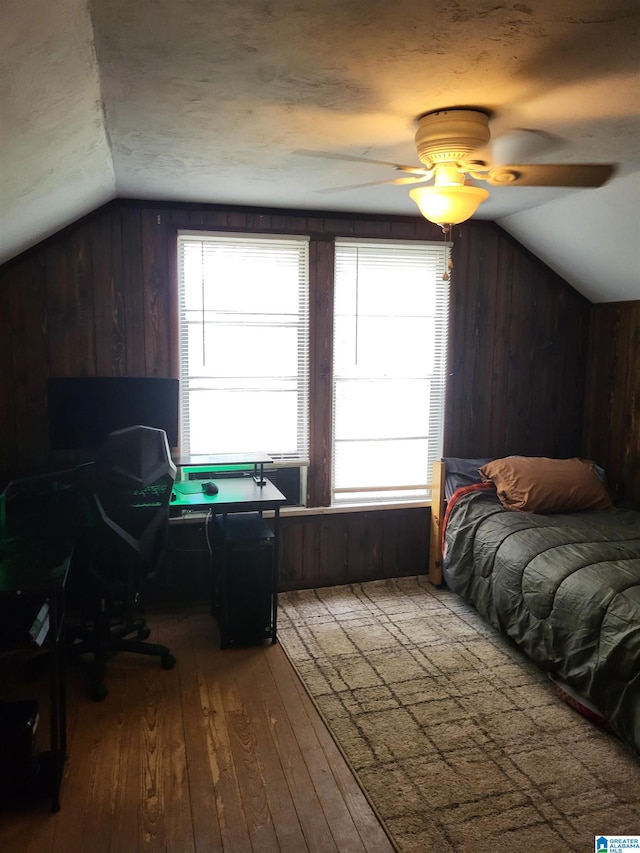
193,100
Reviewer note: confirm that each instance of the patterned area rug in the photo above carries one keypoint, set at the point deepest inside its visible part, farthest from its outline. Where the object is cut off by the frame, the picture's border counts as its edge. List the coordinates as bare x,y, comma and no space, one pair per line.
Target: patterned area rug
460,743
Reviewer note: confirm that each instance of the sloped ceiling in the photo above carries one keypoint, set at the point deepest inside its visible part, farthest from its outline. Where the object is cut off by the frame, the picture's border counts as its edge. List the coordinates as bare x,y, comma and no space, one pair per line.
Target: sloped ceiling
193,100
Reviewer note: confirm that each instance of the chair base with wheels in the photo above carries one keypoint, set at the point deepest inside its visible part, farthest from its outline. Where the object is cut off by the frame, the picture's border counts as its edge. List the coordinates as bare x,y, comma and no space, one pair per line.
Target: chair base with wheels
103,637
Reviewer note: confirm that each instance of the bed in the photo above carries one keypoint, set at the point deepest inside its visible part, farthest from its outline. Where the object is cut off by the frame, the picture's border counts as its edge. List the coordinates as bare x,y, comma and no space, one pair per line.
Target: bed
562,582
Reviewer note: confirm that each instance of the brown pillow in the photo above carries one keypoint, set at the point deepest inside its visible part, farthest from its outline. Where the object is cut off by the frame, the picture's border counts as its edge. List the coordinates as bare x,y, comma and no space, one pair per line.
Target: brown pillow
539,484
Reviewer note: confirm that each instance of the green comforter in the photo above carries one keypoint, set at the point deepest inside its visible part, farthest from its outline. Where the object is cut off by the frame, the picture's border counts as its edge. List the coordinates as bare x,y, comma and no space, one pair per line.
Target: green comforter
565,588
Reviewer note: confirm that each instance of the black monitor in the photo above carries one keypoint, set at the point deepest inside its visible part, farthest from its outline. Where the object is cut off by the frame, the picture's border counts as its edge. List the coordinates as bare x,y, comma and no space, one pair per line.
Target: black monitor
83,410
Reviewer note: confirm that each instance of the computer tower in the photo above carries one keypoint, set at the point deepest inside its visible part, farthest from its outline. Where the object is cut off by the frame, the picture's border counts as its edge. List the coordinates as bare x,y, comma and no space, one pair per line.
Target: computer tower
243,587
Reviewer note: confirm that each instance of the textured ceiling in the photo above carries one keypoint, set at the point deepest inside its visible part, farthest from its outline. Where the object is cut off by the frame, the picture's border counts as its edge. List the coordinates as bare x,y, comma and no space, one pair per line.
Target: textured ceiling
193,100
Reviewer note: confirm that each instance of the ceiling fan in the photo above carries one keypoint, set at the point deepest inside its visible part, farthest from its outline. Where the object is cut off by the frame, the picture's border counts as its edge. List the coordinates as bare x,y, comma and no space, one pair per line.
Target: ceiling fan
455,144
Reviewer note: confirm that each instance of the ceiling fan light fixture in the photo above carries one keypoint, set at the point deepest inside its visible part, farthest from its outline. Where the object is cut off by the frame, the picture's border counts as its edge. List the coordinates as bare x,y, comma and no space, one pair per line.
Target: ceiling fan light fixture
448,205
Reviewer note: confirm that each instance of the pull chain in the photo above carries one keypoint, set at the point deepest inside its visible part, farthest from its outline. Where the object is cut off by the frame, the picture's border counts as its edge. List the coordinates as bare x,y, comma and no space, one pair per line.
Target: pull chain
446,231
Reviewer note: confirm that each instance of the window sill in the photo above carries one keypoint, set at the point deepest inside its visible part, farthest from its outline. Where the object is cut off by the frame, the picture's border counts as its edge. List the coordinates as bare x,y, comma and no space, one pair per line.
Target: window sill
297,511
287,511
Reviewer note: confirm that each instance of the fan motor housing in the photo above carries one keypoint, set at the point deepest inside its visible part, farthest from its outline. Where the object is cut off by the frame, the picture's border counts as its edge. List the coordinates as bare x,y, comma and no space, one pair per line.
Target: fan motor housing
445,136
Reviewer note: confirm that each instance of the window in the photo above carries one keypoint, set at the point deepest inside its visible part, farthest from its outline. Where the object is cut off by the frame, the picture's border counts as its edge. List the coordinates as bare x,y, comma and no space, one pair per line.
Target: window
390,333
243,304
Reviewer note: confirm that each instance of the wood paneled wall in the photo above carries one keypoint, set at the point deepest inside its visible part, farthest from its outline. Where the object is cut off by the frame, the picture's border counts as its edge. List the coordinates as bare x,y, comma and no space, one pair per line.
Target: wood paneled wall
93,300
99,298
517,352
612,411
315,550
338,548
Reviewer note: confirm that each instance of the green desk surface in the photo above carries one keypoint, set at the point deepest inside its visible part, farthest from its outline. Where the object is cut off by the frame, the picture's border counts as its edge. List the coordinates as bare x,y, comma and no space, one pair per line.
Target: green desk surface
236,494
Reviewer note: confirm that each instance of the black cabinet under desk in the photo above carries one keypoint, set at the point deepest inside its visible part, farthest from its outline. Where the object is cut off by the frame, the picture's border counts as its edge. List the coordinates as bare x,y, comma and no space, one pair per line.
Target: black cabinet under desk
243,571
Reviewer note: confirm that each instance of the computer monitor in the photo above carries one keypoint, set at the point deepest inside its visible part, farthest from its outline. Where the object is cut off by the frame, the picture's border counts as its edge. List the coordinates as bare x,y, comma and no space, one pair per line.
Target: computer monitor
83,410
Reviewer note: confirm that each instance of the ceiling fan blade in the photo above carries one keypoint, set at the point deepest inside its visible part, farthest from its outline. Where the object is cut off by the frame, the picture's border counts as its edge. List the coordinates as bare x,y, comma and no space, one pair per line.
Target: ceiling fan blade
549,175
413,179
330,190
516,145
328,155
522,144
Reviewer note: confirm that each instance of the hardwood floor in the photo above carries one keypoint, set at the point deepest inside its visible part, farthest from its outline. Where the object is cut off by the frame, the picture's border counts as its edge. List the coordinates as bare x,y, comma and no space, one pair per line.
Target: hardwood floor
224,753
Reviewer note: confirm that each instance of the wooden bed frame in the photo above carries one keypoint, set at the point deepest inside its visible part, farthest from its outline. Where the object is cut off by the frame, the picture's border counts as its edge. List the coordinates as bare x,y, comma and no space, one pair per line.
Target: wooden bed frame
437,517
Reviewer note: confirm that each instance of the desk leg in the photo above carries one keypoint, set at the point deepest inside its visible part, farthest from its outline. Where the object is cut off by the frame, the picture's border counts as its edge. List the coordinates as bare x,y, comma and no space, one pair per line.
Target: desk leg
58,697
275,576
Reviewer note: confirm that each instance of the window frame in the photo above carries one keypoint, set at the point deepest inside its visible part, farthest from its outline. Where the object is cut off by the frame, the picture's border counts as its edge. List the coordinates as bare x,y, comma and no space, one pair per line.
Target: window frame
253,239
418,492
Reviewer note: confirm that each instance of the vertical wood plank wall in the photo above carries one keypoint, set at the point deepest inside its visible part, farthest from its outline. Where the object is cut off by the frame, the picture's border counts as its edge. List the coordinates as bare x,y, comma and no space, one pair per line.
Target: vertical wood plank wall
99,299
517,353
338,548
613,394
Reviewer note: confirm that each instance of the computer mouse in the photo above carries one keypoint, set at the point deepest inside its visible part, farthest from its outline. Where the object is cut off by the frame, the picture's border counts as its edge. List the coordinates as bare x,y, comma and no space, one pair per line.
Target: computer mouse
210,488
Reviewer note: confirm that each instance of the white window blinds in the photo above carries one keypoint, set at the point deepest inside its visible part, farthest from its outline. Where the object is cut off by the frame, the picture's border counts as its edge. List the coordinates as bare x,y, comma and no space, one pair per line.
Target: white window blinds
390,340
243,321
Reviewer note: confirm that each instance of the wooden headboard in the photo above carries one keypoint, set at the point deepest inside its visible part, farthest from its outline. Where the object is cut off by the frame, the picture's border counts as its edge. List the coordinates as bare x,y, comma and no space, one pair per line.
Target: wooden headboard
437,516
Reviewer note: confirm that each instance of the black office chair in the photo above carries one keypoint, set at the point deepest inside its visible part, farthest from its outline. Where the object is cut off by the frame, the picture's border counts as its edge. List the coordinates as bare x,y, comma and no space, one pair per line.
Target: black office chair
128,489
